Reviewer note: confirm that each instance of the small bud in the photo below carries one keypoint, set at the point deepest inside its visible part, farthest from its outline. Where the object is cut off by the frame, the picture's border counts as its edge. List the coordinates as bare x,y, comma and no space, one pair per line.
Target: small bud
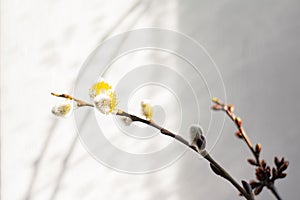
259,172
215,169
251,161
217,107
263,163
283,175
258,148
247,187
268,171
201,143
284,166
231,108
147,108
196,137
63,109
195,131
254,184
276,161
215,100
239,135
274,173
238,121
127,121
258,189
282,161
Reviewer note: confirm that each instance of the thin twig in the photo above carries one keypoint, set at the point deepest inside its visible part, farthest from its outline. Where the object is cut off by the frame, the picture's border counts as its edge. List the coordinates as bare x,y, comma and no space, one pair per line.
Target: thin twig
228,109
274,191
79,102
262,169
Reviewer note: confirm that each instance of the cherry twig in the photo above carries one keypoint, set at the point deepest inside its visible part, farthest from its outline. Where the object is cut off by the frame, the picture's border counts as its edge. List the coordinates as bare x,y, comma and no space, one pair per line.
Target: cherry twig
263,172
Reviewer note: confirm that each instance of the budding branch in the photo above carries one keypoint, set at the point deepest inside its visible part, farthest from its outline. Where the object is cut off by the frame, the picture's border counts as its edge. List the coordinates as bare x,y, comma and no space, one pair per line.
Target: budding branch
214,165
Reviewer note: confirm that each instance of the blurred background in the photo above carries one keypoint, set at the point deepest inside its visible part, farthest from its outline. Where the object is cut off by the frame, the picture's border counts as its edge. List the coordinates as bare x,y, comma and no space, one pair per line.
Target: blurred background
44,44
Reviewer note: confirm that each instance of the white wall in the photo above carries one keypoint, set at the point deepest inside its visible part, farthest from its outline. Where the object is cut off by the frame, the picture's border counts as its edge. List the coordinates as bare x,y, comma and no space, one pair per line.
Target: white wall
44,43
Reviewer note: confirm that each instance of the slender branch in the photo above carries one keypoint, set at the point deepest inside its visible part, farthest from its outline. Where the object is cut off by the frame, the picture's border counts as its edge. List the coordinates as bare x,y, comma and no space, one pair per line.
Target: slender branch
274,191
262,169
164,131
79,102
204,153
228,109
227,176
215,166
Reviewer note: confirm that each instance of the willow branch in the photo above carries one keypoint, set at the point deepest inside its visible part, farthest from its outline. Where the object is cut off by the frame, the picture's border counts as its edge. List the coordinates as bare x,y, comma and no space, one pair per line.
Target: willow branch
79,102
221,171
214,165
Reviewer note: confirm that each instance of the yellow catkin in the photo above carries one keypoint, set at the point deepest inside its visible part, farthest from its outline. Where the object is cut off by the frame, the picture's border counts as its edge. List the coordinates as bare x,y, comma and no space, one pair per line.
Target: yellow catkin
65,109
103,87
99,87
147,110
113,103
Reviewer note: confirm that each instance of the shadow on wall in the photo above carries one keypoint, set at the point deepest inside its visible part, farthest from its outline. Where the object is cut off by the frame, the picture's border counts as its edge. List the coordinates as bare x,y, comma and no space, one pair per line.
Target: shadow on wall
256,47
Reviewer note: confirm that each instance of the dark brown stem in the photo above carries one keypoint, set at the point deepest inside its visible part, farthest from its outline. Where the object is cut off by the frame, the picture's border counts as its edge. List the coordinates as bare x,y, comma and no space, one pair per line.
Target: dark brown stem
164,131
274,191
226,175
204,153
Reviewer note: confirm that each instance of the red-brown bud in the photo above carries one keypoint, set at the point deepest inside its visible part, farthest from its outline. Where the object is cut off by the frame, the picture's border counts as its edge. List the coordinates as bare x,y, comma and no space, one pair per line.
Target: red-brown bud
274,173
283,175
284,166
239,134
263,163
268,171
230,108
258,189
254,184
276,161
251,161
258,148
238,121
216,107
